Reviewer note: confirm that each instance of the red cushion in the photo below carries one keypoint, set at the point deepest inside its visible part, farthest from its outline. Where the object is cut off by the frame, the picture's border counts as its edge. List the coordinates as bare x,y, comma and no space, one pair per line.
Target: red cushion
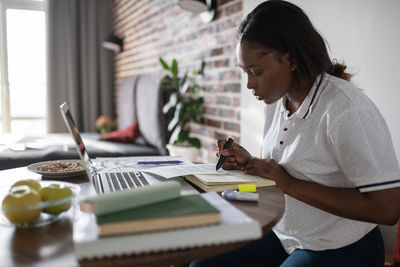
127,135
396,252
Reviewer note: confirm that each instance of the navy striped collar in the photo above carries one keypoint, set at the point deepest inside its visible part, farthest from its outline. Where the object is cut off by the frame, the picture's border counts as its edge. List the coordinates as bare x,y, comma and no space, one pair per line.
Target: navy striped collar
305,108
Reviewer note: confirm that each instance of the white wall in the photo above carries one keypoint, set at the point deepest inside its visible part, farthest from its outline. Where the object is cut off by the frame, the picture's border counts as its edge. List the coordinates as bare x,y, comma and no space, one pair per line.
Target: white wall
363,33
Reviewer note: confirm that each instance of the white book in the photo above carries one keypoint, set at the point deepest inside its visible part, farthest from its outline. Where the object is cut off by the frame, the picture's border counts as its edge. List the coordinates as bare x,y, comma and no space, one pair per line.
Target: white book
235,226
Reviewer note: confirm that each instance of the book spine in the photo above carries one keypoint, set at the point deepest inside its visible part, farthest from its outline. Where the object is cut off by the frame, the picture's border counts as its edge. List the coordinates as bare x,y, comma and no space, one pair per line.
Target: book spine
157,225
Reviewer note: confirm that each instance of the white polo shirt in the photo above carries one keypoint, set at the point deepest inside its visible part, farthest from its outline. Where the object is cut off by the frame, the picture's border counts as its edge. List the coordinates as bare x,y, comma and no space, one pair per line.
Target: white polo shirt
336,138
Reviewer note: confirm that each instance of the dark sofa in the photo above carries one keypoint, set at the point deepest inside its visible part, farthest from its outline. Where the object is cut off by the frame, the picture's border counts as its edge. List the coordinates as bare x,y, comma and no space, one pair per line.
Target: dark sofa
138,98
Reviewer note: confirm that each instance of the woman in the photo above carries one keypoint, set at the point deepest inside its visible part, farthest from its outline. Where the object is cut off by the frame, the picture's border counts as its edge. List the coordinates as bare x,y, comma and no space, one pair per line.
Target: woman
326,146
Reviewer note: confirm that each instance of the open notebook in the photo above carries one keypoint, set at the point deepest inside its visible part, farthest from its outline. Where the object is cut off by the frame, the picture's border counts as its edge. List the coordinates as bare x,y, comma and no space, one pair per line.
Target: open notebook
205,177
221,182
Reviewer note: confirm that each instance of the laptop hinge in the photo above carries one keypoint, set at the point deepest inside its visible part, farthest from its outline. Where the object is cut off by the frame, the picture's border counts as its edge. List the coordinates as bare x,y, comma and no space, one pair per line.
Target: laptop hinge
98,184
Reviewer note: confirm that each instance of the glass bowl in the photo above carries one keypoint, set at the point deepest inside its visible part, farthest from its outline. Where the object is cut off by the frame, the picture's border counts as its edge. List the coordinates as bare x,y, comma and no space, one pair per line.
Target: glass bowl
44,218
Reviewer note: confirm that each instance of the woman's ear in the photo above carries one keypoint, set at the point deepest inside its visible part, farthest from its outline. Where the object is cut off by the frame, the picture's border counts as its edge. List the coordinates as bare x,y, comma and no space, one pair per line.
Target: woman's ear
287,59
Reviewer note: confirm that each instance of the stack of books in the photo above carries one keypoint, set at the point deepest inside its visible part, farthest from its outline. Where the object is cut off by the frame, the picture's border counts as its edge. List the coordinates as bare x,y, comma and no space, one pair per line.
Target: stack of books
181,222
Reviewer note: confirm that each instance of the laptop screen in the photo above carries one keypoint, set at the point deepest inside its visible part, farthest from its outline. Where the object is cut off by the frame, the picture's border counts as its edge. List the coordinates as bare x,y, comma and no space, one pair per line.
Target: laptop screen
69,121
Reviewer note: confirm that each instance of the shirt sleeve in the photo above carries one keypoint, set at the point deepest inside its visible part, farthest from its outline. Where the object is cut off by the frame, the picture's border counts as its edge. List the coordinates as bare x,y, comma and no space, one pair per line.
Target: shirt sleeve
364,150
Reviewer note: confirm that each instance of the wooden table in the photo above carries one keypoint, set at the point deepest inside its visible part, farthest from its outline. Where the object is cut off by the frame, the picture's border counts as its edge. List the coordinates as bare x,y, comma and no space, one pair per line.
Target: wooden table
52,245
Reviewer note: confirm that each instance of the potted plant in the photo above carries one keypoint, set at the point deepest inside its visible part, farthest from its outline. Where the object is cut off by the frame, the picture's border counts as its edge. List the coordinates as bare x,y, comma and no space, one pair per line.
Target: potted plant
185,102
104,124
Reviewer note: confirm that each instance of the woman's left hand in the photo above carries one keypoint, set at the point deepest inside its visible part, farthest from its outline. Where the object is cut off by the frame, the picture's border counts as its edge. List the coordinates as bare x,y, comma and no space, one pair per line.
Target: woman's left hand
269,169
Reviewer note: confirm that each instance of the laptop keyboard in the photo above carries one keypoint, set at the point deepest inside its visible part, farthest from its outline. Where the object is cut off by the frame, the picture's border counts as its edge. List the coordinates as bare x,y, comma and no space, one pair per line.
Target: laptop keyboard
124,180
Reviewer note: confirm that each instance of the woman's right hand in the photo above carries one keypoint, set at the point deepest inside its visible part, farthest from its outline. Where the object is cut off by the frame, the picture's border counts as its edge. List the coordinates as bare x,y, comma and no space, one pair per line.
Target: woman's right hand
236,157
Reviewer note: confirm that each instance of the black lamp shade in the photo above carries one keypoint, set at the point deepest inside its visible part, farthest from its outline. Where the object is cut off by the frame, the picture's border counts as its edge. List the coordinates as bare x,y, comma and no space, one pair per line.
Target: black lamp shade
206,8
195,6
114,43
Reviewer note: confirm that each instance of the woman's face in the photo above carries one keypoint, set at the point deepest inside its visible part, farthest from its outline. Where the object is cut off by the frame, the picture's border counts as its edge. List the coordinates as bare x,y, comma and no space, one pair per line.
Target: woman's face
268,72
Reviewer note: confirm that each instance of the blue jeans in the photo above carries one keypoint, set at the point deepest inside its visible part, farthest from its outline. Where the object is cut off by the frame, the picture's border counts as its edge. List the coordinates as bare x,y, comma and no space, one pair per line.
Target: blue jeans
268,251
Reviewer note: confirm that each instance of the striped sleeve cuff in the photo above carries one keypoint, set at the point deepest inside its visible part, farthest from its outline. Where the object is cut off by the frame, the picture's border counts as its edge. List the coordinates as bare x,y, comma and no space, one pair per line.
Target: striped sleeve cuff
378,186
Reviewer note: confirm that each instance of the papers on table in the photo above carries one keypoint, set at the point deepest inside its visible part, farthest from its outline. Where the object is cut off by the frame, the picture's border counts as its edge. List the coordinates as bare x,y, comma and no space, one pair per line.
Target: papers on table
205,171
188,169
122,164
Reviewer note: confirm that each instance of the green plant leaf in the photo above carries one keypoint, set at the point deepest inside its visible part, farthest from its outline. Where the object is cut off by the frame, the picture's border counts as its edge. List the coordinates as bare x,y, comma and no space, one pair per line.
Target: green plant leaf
174,69
176,119
165,81
184,82
185,87
183,136
172,124
175,134
173,99
201,70
165,65
177,85
166,84
195,142
184,115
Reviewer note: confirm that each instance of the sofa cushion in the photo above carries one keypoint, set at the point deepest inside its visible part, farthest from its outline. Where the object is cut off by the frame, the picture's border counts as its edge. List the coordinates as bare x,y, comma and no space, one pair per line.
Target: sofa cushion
125,103
149,102
127,135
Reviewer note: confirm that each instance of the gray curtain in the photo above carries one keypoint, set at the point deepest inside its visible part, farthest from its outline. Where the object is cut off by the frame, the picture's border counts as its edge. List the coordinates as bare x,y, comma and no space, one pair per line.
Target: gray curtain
80,70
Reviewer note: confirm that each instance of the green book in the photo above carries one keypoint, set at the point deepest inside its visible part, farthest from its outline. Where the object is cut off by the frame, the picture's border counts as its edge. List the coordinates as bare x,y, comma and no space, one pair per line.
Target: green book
184,211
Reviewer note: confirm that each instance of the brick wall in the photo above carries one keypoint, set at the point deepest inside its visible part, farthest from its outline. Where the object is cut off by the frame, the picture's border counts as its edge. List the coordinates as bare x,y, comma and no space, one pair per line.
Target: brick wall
159,28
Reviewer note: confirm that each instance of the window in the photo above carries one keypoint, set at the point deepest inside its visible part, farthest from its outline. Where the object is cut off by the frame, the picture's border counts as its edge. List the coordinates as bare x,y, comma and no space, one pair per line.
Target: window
23,66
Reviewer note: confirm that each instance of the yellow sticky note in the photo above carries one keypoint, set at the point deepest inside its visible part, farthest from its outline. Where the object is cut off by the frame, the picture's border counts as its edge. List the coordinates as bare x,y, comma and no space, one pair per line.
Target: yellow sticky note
247,188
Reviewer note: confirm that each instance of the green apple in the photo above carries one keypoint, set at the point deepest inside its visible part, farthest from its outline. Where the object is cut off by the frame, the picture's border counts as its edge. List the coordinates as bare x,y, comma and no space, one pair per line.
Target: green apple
18,197
35,185
55,192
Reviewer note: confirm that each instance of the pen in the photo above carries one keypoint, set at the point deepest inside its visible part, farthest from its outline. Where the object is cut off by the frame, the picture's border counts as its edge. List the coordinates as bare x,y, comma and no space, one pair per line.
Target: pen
235,195
160,162
221,159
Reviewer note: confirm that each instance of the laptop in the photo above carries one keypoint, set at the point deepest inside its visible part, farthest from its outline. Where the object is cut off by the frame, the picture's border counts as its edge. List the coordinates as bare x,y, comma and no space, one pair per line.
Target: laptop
103,182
